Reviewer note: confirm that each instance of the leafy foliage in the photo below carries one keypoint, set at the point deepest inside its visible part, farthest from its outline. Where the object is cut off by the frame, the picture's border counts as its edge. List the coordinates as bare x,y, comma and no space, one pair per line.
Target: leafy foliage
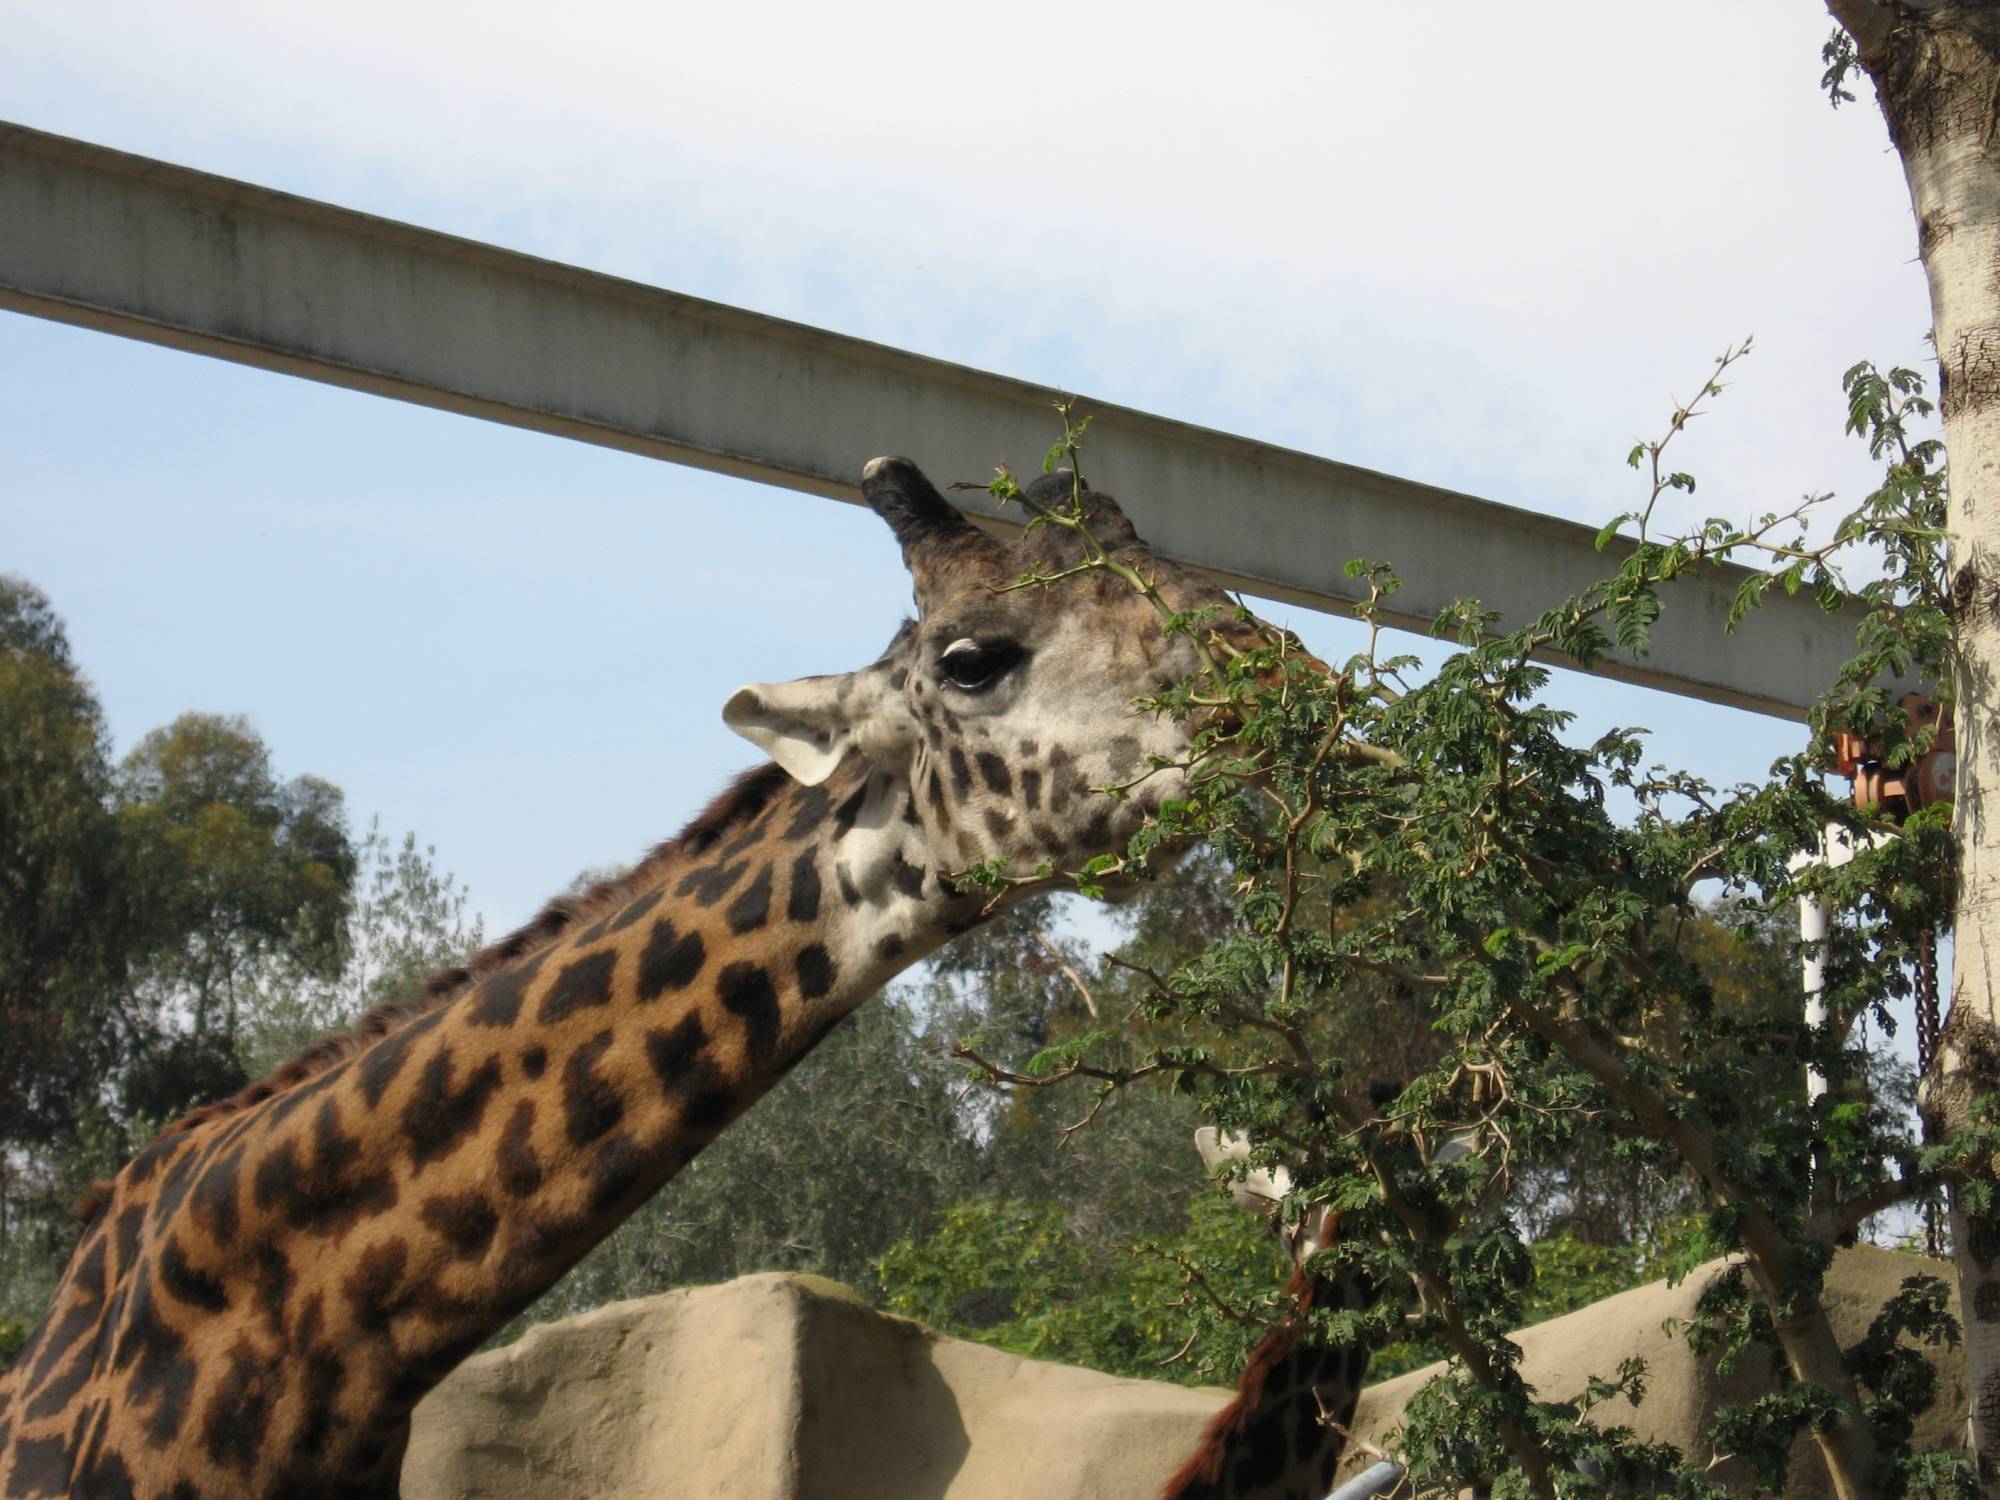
1022,1277
1841,59
1445,837
66,919
404,920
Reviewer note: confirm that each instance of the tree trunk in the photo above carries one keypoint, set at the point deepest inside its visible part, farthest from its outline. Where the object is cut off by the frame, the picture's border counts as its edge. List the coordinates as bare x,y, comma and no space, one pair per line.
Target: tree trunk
1936,68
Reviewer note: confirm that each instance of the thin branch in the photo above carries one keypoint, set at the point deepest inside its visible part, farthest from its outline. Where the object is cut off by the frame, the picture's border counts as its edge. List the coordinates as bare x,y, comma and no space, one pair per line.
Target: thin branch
1350,1437
1152,974
1199,1281
1118,1077
1395,971
1076,980
1179,1354
1879,1197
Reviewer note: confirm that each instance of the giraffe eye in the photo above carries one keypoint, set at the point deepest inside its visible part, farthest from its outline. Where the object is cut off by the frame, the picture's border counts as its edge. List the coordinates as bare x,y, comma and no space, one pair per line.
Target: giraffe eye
972,667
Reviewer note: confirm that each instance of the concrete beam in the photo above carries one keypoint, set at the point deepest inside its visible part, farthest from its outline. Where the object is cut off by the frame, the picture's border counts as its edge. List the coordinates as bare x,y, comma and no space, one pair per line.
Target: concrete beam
127,245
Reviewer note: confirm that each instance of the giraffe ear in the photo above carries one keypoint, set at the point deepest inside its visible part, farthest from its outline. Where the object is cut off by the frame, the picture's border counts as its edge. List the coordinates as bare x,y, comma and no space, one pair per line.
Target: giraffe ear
1261,1190
808,726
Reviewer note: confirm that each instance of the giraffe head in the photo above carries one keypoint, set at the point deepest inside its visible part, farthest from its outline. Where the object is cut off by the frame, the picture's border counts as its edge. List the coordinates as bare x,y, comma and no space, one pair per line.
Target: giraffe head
998,709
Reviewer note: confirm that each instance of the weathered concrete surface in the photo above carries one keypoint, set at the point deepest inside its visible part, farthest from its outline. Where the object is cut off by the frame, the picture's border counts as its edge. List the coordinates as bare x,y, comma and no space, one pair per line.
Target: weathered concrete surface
781,1387
141,248
1683,1394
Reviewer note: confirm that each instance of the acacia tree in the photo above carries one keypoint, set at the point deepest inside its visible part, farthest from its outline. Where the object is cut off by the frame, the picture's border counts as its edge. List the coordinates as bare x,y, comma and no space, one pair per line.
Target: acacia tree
1443,836
1935,65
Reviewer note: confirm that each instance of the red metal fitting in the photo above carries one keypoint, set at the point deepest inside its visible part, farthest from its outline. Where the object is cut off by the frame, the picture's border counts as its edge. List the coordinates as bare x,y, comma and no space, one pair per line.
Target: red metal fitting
1901,791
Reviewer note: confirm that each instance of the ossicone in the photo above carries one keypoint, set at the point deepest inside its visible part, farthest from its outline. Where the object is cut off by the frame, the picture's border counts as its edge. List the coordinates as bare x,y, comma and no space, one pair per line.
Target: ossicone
935,536
897,491
1055,491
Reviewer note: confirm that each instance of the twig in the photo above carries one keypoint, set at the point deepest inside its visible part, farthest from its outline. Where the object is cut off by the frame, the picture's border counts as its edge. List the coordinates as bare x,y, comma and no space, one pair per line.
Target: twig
1089,1002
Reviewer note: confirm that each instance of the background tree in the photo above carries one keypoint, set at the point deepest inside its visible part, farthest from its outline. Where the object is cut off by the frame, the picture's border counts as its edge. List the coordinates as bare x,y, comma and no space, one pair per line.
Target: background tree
237,871
67,933
169,928
404,920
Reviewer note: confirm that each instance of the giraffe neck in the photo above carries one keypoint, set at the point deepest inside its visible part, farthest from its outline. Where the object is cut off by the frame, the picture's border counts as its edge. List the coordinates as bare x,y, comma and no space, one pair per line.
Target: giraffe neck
1281,1438
268,1294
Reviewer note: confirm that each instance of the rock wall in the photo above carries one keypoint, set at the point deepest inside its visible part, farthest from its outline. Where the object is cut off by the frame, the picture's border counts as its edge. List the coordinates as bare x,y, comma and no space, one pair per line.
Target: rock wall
780,1387
1682,1393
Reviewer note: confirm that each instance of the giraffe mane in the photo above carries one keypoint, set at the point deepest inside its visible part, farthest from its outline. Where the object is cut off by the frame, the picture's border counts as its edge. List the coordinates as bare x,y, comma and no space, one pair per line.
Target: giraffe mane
1203,1470
739,803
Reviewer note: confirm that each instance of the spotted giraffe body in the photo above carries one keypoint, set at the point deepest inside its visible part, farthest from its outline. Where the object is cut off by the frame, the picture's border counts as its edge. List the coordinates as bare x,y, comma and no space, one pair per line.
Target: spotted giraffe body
262,1295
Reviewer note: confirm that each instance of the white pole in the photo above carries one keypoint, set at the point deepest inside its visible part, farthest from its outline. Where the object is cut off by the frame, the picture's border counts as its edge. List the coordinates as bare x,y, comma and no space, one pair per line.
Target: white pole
1812,931
1837,847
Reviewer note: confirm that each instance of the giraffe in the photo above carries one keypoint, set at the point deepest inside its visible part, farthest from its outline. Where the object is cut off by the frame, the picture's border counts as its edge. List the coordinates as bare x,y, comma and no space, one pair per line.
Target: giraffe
1283,1435
261,1296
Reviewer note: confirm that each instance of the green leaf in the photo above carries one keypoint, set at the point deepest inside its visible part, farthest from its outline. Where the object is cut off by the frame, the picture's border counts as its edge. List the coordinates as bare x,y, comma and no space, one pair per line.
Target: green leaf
1565,957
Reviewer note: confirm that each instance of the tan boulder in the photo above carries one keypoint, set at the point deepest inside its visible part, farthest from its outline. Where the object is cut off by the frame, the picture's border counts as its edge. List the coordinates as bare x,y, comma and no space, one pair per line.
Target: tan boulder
1683,1393
779,1387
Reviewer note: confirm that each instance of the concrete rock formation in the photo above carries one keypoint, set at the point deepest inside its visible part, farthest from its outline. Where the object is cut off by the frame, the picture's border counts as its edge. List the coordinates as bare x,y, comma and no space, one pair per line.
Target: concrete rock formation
778,1387
1682,1393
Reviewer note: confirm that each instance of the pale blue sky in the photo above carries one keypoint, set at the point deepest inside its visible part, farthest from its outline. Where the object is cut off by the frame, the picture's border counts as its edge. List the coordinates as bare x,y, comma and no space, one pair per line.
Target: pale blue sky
1480,246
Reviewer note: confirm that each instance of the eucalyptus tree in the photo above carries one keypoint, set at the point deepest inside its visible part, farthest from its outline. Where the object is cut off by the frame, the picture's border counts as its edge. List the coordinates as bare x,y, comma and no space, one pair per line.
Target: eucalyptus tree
1935,65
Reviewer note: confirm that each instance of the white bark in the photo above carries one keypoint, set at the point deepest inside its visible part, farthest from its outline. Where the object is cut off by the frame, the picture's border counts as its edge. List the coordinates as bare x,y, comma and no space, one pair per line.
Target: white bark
1936,73
1954,189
